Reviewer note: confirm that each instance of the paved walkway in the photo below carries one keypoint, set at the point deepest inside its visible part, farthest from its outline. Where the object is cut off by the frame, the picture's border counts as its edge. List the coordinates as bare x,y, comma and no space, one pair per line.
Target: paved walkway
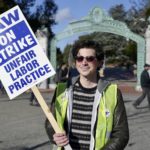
138,119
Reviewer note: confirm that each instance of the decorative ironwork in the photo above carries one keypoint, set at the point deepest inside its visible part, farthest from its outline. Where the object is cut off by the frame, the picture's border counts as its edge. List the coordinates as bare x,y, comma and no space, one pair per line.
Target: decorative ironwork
98,21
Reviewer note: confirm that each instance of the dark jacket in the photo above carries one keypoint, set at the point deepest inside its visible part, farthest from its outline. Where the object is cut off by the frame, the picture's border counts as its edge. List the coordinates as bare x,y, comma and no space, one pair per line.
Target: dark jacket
145,79
120,133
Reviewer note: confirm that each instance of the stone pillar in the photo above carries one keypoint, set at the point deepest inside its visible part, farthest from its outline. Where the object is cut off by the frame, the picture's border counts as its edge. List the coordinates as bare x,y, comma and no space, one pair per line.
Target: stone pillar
147,39
53,53
42,37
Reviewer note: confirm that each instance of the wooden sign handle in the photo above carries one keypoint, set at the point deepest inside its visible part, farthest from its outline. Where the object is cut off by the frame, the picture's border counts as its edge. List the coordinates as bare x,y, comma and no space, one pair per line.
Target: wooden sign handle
48,113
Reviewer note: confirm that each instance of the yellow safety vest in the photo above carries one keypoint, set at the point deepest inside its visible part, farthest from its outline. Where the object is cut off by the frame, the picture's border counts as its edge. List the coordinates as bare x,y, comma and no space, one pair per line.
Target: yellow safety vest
105,112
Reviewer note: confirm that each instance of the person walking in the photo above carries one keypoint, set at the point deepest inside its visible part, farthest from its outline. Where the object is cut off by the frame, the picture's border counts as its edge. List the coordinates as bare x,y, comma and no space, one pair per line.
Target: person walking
145,85
90,111
33,100
62,73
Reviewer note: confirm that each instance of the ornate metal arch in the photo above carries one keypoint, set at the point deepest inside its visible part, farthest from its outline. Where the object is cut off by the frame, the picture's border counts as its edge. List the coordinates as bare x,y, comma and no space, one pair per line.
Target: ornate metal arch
98,21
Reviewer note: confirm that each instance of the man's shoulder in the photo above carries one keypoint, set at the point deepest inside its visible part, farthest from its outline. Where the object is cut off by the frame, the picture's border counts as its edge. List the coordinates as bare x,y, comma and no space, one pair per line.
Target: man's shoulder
144,72
102,85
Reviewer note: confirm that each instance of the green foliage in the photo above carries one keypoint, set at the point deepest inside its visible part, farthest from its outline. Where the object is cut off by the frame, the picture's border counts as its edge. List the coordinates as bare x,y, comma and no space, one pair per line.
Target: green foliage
25,6
137,16
6,5
131,51
47,9
147,14
66,54
59,57
118,12
44,13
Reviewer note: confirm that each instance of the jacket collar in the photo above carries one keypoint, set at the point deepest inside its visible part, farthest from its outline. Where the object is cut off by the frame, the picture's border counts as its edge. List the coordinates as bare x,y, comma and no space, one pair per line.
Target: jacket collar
102,84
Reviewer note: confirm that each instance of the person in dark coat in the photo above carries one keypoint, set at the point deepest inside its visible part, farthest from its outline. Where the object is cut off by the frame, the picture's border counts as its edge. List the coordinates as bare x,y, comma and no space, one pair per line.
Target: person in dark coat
62,73
33,100
145,85
89,110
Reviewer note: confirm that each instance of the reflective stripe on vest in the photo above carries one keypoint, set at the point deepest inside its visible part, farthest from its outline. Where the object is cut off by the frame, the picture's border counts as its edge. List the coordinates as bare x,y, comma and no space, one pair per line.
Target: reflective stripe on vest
105,112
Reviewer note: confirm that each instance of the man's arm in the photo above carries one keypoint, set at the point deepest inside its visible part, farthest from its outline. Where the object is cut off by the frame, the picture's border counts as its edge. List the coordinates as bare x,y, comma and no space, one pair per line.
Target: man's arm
60,139
120,132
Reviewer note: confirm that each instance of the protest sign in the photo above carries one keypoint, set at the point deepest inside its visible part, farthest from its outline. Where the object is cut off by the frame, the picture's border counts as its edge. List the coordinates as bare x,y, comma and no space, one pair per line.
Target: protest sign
23,63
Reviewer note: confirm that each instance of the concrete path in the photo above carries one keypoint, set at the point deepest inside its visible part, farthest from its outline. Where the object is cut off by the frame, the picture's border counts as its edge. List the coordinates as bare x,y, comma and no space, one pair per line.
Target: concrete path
22,125
139,123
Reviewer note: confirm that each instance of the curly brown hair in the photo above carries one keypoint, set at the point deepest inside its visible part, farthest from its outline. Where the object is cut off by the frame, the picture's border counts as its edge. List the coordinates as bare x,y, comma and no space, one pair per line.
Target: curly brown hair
88,44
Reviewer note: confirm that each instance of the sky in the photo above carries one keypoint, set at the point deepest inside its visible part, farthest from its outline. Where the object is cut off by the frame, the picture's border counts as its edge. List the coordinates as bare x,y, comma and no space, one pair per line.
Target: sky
70,10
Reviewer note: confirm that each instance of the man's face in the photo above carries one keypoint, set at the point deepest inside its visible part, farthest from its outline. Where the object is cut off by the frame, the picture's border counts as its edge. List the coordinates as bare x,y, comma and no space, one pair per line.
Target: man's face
86,62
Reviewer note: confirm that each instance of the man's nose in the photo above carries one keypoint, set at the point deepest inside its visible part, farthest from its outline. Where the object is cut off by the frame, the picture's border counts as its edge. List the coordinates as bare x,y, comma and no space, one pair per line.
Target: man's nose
84,61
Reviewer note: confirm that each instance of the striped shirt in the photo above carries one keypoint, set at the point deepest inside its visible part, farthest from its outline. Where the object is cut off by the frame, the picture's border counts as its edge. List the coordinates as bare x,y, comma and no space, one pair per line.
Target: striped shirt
83,99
